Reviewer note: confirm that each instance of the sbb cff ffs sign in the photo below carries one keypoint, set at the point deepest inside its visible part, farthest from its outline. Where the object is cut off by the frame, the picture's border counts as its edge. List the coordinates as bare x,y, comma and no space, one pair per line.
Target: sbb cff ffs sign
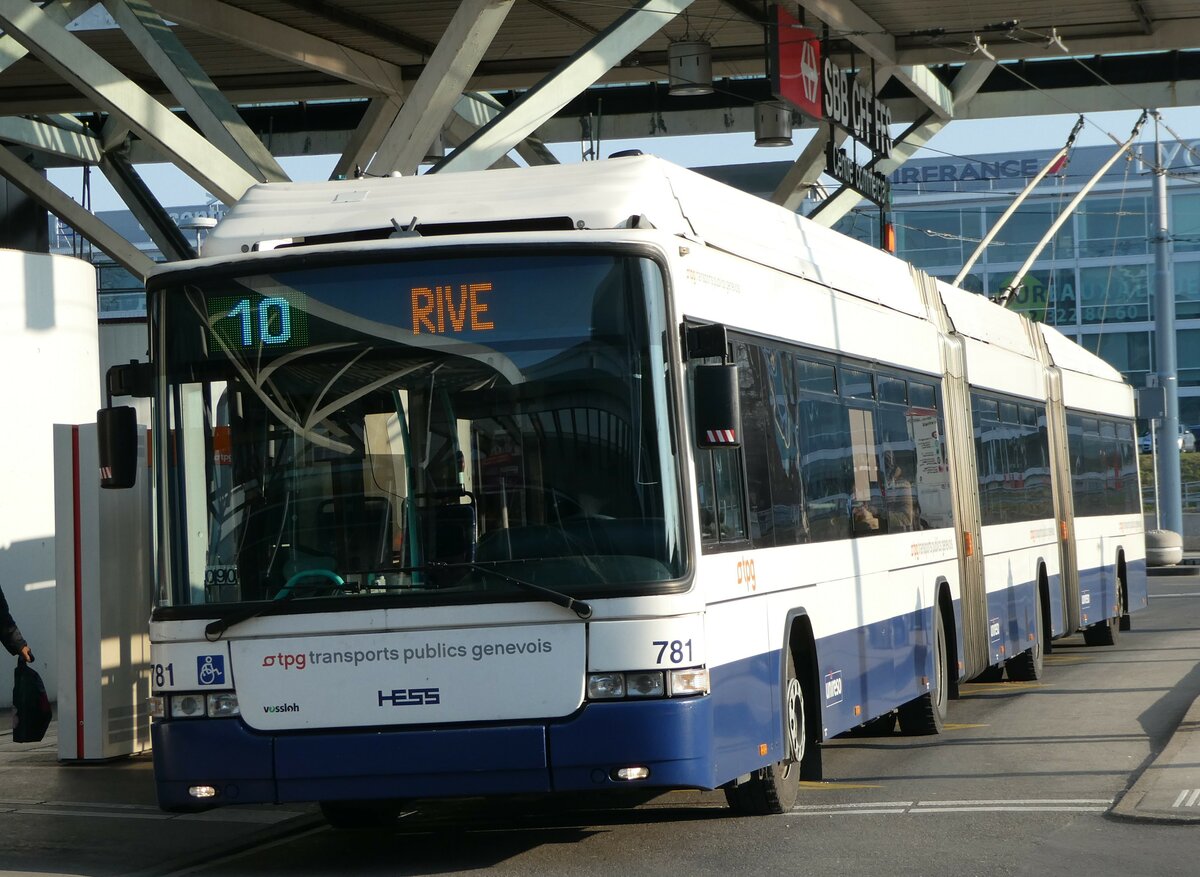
820,89
796,73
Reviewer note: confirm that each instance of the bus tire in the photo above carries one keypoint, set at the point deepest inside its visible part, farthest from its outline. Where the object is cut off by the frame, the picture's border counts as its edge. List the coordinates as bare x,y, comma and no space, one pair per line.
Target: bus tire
1027,666
927,714
995,673
773,789
1104,633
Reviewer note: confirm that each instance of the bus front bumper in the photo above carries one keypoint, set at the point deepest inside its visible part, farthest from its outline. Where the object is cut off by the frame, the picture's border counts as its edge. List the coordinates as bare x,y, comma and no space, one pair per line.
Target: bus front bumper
671,739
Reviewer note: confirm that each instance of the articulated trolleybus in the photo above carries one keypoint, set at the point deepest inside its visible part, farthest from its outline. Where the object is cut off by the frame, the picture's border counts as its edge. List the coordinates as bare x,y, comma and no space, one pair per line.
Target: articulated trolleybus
599,476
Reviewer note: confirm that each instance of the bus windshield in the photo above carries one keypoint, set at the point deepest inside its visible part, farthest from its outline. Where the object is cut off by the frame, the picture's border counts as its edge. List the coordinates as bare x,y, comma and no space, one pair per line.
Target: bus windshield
417,429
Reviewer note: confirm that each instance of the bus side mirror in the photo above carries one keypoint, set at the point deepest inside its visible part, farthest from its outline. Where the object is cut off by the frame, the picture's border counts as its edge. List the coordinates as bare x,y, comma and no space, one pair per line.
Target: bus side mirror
116,435
132,379
718,413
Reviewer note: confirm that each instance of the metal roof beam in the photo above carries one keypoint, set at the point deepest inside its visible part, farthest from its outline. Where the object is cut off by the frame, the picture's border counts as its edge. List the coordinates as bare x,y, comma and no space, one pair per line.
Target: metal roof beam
77,146
287,43
1139,10
365,139
69,211
71,59
966,84
479,108
205,105
146,209
601,53
440,85
61,11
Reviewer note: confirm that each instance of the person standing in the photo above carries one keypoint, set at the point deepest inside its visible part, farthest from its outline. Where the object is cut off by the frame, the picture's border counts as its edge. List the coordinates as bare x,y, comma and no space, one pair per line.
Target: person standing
10,634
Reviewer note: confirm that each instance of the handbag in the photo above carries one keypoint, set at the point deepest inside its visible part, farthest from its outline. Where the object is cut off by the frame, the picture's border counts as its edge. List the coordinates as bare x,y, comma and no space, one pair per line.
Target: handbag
31,706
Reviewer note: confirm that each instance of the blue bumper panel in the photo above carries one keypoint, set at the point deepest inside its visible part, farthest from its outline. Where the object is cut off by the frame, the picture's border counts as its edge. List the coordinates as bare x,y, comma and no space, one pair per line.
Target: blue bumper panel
673,738
1096,595
1135,585
222,753
412,763
874,668
1015,608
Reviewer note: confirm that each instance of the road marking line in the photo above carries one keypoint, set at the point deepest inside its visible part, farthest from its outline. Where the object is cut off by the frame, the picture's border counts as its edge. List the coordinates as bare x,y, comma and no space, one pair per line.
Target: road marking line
918,810
1011,801
961,726
832,785
1188,594
91,814
897,810
853,807
1016,805
1191,801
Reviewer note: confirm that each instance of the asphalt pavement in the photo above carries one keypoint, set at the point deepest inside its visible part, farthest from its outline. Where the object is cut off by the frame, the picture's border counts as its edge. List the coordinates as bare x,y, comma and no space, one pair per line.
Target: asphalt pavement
102,816
101,819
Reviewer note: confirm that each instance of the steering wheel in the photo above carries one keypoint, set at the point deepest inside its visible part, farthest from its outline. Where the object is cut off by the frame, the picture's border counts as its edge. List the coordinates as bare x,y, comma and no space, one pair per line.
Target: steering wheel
338,581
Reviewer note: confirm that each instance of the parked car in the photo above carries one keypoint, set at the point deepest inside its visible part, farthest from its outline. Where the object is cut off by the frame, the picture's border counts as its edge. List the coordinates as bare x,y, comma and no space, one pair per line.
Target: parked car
1186,441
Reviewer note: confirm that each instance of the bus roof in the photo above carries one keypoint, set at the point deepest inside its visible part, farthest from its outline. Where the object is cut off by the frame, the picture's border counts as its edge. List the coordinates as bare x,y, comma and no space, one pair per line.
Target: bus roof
620,193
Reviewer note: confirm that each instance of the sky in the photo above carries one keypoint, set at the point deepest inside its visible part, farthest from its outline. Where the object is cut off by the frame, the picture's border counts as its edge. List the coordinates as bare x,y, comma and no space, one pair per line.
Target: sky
965,137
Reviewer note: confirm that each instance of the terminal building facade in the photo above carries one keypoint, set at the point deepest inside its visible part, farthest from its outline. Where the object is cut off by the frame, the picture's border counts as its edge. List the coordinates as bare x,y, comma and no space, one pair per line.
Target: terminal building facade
1094,281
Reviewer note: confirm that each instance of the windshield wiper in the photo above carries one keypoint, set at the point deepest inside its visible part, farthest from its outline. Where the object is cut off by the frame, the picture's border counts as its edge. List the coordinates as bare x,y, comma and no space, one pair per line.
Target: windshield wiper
214,629
558,598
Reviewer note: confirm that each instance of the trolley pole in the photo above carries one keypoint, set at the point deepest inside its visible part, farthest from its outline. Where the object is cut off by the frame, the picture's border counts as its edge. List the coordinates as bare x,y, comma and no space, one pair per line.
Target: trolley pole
1166,463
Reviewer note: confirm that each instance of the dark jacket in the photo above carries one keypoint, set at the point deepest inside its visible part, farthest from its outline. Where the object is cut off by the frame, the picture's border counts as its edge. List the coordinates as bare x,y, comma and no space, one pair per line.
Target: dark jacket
10,634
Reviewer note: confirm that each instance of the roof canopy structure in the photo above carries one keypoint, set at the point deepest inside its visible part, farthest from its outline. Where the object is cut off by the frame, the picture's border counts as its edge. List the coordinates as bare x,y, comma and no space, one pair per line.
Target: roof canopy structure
224,89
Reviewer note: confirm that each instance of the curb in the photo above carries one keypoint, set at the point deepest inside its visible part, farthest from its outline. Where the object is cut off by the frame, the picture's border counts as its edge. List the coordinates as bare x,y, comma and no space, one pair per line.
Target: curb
1159,794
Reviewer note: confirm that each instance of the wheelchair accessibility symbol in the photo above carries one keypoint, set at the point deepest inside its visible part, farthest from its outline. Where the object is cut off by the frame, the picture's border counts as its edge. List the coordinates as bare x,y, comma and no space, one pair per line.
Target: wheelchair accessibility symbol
210,669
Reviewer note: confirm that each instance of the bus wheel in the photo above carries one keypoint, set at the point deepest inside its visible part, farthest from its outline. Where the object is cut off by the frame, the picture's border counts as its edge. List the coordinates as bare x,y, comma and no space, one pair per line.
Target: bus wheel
774,788
1103,634
350,815
995,673
1027,666
927,713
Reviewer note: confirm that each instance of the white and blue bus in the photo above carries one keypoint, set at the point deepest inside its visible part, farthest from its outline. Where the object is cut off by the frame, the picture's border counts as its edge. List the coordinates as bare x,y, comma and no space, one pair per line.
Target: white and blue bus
596,476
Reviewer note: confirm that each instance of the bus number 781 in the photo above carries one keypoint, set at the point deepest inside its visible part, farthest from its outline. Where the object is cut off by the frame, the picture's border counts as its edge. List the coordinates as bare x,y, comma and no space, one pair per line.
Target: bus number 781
680,650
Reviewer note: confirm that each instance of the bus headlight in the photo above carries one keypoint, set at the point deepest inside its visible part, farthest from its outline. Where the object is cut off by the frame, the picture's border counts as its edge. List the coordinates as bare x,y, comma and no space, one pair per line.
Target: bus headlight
645,684
605,686
187,706
616,685
223,705
217,705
